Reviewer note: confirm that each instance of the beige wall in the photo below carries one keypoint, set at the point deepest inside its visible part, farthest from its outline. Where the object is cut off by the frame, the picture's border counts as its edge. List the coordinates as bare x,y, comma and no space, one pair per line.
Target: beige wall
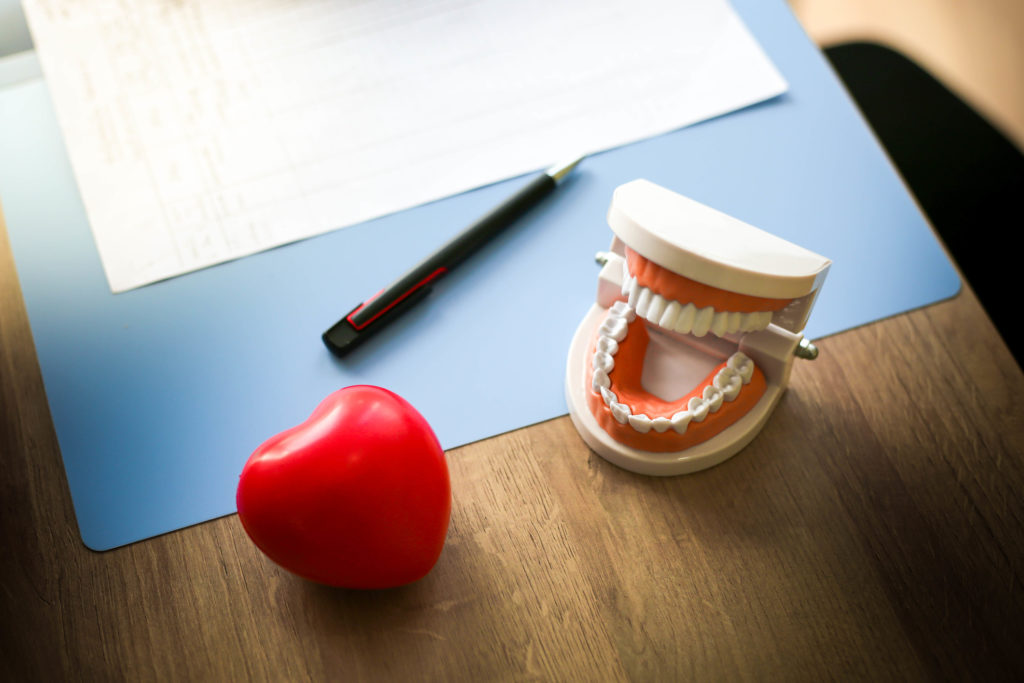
975,47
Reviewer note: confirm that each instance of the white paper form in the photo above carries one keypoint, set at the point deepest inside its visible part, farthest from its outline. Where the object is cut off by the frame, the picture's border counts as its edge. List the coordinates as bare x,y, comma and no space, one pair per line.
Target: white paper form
201,132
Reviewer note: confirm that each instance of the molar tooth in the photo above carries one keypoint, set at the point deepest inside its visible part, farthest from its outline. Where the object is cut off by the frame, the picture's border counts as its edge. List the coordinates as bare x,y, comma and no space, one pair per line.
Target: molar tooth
730,382
680,420
719,323
742,365
713,397
698,408
746,370
684,323
600,381
657,307
661,424
620,411
643,302
629,286
621,309
702,323
609,397
613,327
735,359
668,318
640,423
608,345
603,361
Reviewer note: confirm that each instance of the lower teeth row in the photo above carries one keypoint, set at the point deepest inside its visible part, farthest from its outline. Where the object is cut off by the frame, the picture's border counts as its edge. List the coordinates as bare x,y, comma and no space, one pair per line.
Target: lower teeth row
725,386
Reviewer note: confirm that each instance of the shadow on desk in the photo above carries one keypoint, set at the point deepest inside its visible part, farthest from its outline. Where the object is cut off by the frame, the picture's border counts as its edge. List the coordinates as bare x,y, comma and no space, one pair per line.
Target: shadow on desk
966,175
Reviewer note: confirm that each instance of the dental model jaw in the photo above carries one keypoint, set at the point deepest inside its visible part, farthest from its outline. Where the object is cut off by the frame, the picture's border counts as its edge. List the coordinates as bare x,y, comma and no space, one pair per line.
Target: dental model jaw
683,357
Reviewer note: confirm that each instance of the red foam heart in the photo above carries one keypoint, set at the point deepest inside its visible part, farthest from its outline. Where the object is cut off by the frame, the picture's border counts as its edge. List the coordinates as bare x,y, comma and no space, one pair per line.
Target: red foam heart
358,495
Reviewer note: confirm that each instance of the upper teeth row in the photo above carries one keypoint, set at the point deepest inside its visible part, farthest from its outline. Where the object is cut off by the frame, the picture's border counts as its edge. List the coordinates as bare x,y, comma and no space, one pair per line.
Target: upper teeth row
670,314
726,385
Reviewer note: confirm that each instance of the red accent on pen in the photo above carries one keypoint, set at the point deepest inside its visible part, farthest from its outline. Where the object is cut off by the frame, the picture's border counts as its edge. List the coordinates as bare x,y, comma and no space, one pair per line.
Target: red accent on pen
437,273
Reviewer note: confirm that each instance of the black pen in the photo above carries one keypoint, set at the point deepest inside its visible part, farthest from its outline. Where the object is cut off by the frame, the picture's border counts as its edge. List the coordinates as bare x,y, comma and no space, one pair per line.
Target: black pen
406,291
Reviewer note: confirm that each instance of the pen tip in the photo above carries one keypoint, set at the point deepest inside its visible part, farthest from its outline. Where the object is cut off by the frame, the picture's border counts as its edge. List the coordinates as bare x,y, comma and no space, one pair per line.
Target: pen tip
558,172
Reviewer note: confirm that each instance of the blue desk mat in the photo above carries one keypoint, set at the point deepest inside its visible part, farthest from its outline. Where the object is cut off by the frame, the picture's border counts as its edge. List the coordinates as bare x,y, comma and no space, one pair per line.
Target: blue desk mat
160,394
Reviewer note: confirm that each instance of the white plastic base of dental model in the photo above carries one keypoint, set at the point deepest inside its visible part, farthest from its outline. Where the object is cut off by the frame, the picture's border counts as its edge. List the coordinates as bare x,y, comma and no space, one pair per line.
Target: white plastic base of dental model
706,454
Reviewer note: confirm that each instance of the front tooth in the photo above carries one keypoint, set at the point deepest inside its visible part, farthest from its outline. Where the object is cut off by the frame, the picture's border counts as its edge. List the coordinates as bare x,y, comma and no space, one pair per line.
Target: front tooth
764,319
730,382
698,408
640,423
608,345
719,323
613,327
684,323
668,318
713,397
749,322
643,302
634,292
702,323
680,420
621,309
600,381
625,278
735,320
661,424
609,397
620,411
656,309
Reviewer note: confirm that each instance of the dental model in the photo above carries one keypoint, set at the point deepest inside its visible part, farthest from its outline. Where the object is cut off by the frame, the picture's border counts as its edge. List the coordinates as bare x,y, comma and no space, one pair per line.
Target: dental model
680,362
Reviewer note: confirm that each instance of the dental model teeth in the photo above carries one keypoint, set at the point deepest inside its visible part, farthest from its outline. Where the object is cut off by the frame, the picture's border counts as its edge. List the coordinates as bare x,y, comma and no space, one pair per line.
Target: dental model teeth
742,365
643,302
702,323
680,421
719,323
670,314
698,408
603,361
656,309
614,328
640,423
728,382
661,424
725,386
608,345
684,323
622,310
713,397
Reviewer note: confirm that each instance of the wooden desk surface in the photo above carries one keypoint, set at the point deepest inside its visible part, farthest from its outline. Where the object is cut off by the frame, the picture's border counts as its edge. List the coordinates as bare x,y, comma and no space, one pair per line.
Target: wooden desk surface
873,530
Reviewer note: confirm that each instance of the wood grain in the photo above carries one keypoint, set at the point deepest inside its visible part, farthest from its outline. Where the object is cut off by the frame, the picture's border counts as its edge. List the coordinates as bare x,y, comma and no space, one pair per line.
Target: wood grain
872,531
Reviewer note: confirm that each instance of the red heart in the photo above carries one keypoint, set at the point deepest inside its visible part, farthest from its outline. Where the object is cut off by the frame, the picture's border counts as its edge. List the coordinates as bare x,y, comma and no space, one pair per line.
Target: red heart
356,496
